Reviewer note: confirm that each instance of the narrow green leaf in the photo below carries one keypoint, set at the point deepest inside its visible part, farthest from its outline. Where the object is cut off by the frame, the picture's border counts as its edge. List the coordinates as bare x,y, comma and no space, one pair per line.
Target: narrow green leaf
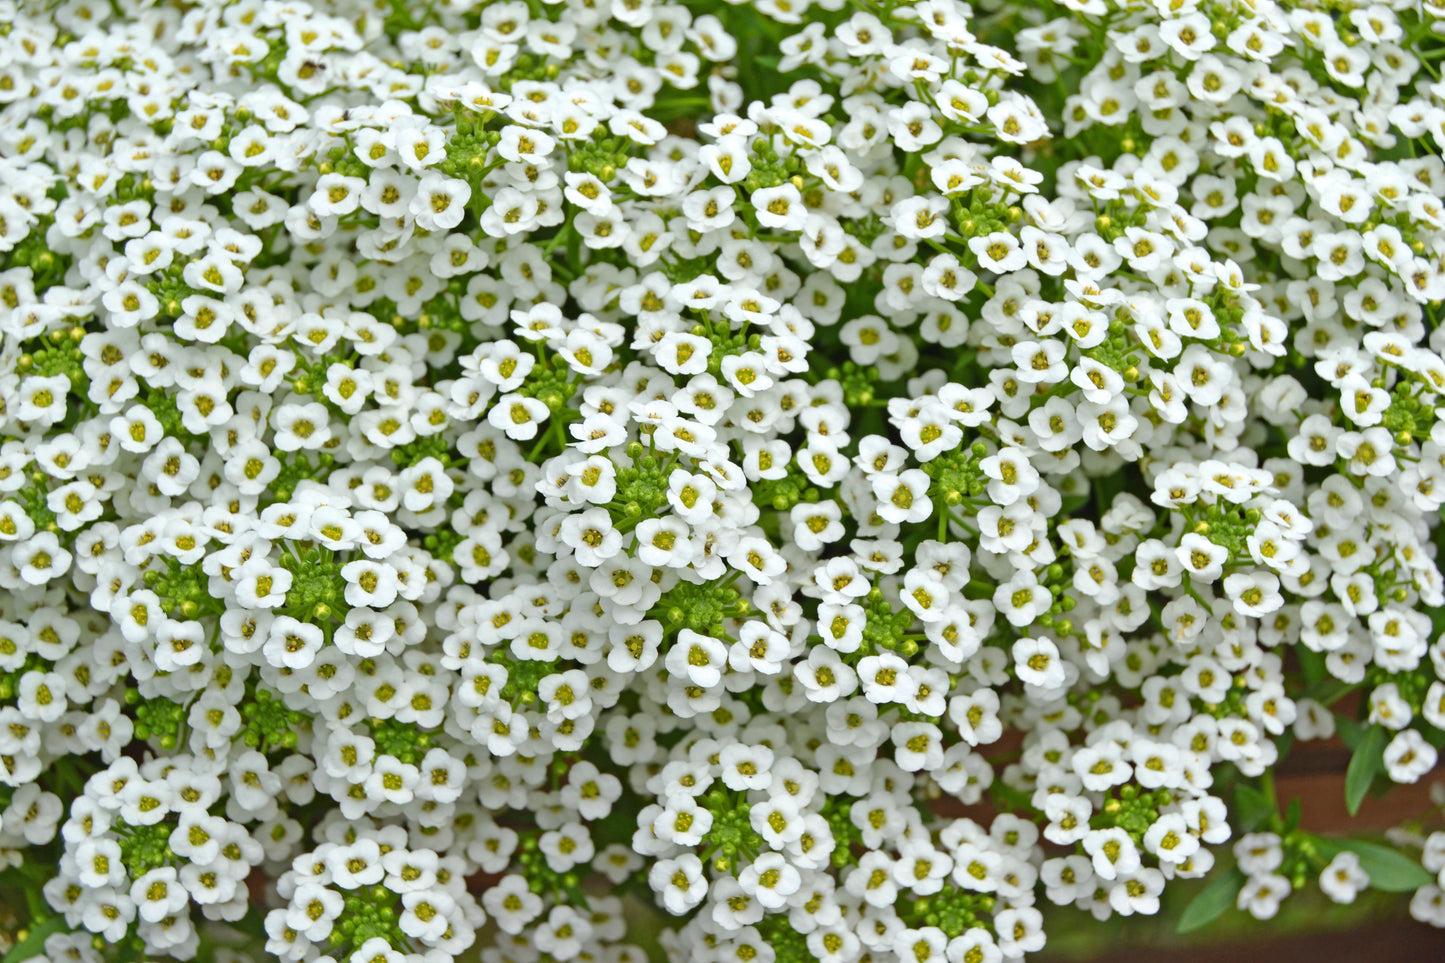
1330,691
1367,762
1390,870
1351,732
34,943
1292,815
1313,664
1285,743
1251,807
1213,900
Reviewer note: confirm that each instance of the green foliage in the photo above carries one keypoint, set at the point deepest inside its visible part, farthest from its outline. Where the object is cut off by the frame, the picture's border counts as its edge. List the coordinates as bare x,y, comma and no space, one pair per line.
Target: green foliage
1388,868
1218,896
1367,762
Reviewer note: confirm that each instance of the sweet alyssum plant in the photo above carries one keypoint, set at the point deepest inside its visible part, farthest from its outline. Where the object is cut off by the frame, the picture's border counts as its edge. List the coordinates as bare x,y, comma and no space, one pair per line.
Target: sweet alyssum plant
462,465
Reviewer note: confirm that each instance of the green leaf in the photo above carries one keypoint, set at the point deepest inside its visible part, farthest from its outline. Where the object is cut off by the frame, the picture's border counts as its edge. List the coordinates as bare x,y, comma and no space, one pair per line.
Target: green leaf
1313,664
1390,870
1435,737
1251,807
1367,763
1329,691
1285,743
1292,815
34,943
1213,900
1351,732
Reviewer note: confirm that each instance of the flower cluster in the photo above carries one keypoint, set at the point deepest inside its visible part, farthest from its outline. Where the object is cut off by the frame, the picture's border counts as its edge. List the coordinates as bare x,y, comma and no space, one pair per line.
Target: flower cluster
844,473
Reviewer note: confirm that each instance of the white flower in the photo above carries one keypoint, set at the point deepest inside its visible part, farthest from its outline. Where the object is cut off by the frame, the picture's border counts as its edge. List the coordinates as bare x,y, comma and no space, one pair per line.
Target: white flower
698,658
885,678
974,945
369,583
770,879
1408,757
920,218
824,676
1114,854
1200,557
679,882
1101,767
1262,895
591,537
1068,818
779,207
917,746
1022,599
1343,879
511,904
727,159
746,767
903,497
1036,661
158,894
976,716
1020,931
40,559
759,648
